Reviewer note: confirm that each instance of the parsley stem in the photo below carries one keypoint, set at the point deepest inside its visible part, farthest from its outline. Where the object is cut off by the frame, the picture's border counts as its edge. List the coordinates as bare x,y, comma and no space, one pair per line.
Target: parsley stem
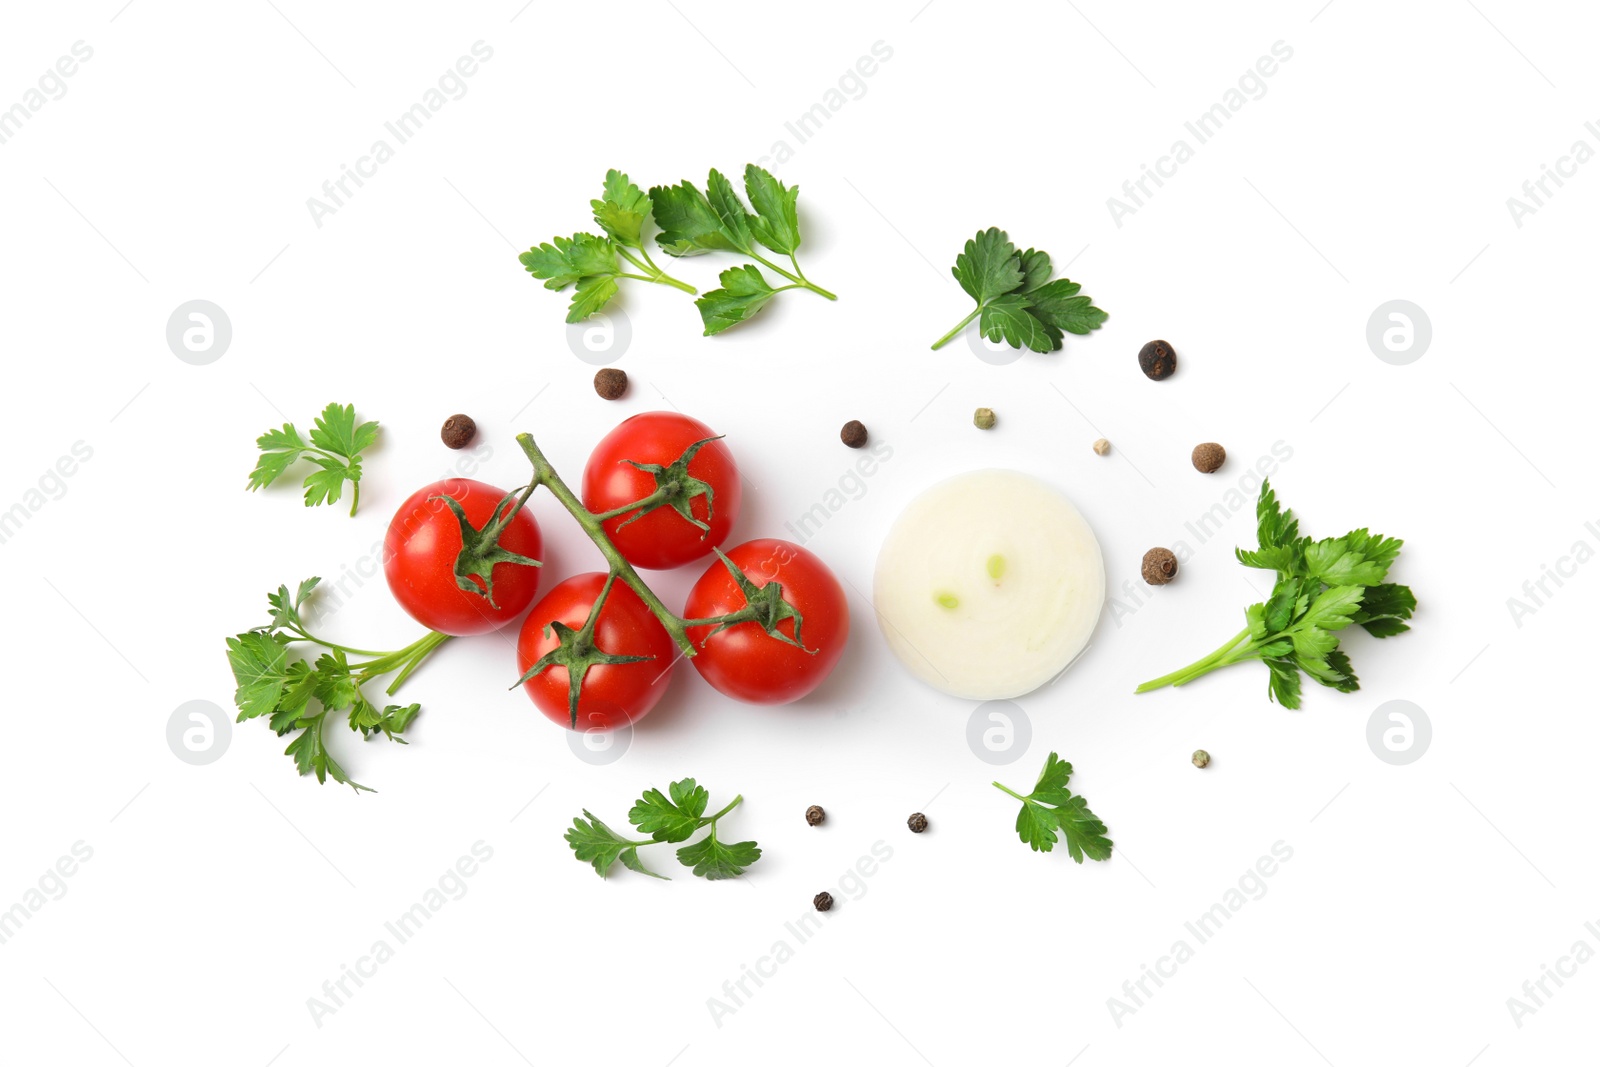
1003,789
1228,654
807,282
962,325
653,273
734,803
305,635
423,649
798,278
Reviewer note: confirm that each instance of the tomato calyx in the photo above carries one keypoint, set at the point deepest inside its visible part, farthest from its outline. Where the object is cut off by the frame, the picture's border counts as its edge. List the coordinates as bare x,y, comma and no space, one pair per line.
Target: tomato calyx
576,651
480,548
676,488
764,605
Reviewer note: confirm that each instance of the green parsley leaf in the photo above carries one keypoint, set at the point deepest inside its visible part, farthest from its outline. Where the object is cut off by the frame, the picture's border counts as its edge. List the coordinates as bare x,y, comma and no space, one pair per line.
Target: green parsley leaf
273,685
715,860
777,221
674,819
335,447
623,209
1052,812
595,843
674,816
1009,318
744,292
1017,301
1323,588
260,666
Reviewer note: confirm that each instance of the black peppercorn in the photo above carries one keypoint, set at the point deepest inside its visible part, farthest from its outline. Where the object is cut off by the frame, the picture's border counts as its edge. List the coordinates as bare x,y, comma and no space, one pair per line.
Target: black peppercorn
1158,360
822,901
853,434
918,823
815,815
458,431
610,382
1160,566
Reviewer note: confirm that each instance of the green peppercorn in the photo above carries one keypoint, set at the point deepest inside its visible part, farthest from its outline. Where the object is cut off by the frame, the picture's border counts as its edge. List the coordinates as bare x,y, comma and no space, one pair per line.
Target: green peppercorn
1201,757
983,418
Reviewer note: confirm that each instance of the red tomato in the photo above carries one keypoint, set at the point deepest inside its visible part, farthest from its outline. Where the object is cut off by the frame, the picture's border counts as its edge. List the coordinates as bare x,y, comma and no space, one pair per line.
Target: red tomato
613,693
743,661
419,558
663,538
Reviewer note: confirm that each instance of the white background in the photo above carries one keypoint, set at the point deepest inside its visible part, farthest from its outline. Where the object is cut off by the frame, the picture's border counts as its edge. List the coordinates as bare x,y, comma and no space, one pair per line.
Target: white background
1376,166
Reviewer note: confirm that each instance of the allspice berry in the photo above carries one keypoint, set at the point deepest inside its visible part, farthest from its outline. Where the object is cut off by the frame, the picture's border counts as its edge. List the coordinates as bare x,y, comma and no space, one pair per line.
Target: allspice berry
983,418
815,815
610,383
917,823
822,901
1158,360
853,434
1208,457
1102,447
458,431
1160,566
1200,758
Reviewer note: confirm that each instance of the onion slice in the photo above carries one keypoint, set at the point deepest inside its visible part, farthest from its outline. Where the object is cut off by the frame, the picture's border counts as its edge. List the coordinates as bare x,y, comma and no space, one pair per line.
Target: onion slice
989,584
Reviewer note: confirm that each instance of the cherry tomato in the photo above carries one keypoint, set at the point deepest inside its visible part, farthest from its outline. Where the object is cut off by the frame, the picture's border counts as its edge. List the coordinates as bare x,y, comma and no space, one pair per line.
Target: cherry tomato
743,661
662,538
613,694
419,557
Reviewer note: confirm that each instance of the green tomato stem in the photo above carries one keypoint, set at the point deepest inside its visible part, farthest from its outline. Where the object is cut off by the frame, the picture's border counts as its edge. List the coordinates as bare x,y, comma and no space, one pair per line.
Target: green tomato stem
962,325
545,474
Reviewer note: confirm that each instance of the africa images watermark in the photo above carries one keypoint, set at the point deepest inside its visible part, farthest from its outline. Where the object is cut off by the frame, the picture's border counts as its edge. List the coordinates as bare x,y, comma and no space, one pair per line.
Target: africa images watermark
1134,595
51,885
852,885
1537,191
850,486
851,85
1252,85
1536,991
1536,592
451,885
451,85
51,85
1251,885
51,485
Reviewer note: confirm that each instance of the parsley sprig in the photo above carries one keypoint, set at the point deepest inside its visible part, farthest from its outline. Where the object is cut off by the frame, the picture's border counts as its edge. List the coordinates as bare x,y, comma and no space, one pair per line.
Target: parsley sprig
1323,587
1053,812
716,220
1017,300
593,263
335,446
676,815
299,696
